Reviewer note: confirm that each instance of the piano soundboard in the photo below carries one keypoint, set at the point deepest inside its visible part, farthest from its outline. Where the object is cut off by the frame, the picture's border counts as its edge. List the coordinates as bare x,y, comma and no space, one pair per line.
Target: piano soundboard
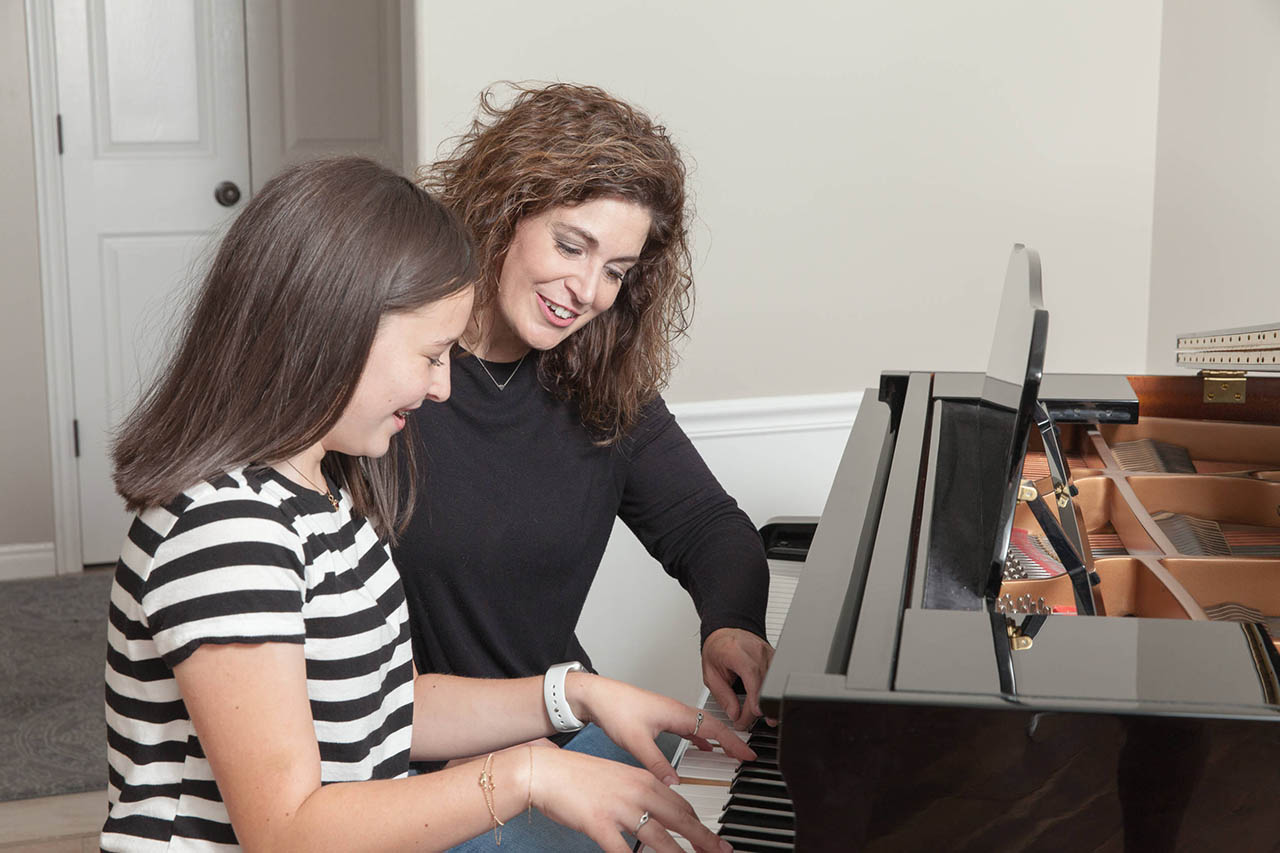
760,816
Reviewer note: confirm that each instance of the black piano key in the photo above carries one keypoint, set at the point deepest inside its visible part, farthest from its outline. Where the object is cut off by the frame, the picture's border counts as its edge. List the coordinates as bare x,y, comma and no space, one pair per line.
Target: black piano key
783,805
770,807
759,820
760,793
757,834
777,782
762,768
766,753
755,845
763,797
764,779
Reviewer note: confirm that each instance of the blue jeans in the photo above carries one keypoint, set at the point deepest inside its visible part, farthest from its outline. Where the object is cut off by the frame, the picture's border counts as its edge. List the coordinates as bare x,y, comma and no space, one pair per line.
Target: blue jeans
541,834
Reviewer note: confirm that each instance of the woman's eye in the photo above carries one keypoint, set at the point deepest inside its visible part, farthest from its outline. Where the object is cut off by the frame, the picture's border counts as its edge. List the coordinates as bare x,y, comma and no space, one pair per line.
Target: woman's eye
617,275
568,249
435,362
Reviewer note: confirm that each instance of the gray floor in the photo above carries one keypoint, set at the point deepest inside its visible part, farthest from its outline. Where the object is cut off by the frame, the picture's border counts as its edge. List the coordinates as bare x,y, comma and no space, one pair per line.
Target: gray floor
52,649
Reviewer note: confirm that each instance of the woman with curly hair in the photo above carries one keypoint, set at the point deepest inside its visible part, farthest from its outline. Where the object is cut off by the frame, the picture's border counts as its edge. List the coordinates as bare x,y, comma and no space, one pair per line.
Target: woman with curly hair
578,206
260,687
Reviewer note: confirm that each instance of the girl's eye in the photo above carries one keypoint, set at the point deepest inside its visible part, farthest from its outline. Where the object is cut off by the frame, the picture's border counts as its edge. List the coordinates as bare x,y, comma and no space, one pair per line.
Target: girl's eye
568,249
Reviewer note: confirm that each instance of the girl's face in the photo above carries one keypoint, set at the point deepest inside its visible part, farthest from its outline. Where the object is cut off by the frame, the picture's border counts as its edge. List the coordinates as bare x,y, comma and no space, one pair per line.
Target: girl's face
408,363
565,266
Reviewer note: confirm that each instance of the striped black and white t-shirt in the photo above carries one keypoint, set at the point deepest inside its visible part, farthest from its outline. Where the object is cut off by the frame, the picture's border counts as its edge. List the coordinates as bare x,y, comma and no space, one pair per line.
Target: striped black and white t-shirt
248,557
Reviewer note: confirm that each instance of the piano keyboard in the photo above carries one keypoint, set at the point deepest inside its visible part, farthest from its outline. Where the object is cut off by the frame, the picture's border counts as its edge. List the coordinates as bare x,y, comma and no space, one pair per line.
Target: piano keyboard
746,805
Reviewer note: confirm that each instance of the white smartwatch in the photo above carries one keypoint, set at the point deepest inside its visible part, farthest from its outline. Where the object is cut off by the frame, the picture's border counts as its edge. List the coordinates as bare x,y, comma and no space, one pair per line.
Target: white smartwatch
557,703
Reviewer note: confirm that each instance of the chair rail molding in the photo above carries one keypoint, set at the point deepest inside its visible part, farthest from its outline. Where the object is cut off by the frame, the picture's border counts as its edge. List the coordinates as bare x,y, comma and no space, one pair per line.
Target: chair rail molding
765,415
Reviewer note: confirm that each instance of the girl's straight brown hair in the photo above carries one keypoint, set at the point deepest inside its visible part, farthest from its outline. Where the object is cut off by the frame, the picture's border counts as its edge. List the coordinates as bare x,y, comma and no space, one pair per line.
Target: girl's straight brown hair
281,327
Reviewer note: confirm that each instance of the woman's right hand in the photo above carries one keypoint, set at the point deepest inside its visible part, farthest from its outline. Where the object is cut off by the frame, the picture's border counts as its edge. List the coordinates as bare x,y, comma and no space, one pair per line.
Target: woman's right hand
603,799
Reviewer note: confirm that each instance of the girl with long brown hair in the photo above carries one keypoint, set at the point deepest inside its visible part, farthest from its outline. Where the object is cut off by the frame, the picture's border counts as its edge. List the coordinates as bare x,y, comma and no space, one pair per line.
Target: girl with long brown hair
258,636
557,429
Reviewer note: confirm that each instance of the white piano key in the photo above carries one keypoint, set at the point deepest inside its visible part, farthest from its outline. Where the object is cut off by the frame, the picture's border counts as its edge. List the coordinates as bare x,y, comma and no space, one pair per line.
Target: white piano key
707,801
706,775
707,766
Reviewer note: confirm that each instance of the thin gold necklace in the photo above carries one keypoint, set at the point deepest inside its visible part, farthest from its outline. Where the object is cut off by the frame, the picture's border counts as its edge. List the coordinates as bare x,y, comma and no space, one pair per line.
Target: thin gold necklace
328,494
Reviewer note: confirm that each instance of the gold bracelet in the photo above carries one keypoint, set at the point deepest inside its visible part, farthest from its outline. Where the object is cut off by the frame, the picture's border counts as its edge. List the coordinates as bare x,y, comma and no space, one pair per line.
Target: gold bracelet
529,806
486,788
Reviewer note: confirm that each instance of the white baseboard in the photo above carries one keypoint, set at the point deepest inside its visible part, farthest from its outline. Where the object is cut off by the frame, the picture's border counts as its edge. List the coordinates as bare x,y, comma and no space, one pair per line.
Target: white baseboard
33,560
764,415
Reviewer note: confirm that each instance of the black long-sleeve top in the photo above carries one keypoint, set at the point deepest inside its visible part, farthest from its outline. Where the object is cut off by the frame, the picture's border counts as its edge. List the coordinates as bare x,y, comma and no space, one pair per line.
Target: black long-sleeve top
516,508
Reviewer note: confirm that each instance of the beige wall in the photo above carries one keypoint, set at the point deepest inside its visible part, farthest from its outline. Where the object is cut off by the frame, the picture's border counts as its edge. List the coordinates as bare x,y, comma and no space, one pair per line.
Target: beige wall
1215,260
26,499
862,169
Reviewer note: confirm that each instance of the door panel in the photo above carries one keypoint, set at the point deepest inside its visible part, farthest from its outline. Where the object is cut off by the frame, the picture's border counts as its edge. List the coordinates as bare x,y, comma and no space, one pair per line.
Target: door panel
327,76
153,63
154,116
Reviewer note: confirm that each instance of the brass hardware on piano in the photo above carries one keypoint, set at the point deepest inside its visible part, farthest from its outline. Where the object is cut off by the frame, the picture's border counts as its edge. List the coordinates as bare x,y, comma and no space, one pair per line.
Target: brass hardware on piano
1223,386
1019,641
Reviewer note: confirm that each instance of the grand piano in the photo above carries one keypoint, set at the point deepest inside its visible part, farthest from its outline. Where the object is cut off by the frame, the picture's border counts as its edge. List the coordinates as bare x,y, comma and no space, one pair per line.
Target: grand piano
1039,612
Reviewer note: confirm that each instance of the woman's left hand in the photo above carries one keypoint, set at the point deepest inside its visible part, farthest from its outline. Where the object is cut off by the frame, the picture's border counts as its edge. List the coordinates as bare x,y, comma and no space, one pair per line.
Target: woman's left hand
732,652
633,717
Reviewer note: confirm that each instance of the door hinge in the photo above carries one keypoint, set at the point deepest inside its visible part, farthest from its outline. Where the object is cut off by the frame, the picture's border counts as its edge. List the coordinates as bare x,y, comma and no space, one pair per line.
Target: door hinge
60,141
75,436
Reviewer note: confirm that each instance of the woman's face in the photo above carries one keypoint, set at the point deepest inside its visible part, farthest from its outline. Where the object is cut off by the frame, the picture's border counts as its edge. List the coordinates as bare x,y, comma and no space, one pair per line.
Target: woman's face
408,364
564,267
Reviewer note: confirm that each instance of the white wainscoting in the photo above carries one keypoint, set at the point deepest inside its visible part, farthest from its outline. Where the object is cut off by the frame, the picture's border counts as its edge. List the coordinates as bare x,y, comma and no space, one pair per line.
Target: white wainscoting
777,456
34,560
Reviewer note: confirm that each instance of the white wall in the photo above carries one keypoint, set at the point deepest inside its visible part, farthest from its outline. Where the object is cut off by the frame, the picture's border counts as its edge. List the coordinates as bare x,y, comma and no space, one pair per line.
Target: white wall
1215,260
26,496
862,169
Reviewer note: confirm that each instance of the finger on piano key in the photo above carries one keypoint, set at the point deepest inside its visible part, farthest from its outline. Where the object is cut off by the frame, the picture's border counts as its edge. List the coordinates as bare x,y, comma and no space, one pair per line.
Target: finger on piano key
706,775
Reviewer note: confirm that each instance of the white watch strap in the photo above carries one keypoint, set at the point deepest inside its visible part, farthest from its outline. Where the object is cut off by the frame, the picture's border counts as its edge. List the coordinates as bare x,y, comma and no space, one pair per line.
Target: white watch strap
557,703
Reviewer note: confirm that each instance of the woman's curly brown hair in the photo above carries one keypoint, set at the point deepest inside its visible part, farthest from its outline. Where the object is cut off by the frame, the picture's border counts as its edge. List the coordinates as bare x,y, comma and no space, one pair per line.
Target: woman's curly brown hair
562,145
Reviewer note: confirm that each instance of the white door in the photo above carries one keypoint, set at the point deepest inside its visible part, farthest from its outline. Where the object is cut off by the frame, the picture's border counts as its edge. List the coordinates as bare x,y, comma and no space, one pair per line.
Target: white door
154,119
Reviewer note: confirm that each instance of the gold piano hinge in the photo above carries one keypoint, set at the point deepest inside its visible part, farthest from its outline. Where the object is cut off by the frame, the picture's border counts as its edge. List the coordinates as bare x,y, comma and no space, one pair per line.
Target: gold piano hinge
1063,493
1223,386
1018,640
1027,492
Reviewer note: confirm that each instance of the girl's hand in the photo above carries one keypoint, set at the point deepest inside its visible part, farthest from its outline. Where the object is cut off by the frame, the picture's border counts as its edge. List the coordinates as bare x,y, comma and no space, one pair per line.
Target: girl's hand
603,799
633,717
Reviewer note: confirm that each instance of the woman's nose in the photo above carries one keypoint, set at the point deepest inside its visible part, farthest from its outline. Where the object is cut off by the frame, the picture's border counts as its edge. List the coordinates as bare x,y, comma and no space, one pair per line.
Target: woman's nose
583,288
